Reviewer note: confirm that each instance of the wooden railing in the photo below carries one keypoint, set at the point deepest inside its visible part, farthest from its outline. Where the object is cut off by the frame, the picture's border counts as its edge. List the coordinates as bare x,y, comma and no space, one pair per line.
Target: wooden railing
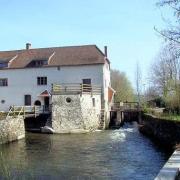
27,111
123,106
75,88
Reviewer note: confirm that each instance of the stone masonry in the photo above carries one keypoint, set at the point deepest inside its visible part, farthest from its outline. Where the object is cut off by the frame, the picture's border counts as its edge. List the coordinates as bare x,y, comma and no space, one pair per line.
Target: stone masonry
75,113
11,129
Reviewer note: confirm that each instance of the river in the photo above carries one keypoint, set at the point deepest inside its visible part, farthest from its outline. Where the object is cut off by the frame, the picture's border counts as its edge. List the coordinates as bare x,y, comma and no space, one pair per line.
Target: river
111,154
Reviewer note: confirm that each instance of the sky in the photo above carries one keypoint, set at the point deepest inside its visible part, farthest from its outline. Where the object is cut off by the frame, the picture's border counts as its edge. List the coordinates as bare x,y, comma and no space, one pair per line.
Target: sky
126,27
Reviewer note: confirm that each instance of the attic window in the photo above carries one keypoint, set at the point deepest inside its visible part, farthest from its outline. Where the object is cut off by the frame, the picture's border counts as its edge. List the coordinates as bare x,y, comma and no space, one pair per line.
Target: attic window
38,63
3,64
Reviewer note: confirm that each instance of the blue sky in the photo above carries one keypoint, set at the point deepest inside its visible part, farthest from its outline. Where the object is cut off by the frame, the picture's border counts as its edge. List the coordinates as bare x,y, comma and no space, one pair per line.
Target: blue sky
126,27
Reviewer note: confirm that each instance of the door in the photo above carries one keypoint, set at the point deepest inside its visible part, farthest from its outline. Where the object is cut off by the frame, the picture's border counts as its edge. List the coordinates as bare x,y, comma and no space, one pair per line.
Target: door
46,103
27,100
86,85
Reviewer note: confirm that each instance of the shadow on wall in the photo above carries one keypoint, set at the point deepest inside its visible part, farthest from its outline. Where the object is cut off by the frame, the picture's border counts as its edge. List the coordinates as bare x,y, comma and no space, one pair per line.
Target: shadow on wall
33,124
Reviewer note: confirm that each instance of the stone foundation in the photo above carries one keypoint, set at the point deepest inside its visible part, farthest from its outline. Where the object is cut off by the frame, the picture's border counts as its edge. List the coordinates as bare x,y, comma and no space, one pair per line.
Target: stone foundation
11,129
75,113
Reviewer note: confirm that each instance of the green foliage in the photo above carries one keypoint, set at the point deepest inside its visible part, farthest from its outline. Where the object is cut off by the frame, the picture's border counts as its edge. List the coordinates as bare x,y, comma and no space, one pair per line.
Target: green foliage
162,113
122,86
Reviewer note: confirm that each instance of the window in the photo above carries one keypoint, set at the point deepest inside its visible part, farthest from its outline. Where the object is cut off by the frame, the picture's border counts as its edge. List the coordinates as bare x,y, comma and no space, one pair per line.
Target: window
86,85
2,101
42,80
38,63
86,81
4,82
3,64
27,100
37,103
68,99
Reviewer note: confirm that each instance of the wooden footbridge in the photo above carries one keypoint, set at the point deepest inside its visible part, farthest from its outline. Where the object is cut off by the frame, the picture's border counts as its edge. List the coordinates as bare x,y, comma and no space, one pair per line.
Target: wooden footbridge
124,111
126,107
27,111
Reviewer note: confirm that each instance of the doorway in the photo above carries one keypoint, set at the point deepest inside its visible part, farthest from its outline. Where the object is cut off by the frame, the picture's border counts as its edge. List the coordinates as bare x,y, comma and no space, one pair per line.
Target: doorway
46,103
27,100
86,85
37,103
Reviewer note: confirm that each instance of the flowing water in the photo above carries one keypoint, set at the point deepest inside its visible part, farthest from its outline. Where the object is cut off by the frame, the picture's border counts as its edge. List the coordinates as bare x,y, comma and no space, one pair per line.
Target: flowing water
112,154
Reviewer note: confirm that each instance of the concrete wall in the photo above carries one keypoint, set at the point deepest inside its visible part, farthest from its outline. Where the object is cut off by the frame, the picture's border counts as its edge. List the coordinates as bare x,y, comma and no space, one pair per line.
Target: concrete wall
24,81
11,129
171,169
79,115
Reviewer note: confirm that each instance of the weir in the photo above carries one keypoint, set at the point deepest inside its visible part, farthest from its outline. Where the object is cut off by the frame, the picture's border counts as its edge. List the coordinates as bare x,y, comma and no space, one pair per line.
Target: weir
124,112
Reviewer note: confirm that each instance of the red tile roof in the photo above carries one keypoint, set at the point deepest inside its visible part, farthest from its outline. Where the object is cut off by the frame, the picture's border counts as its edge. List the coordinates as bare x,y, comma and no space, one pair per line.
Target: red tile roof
56,56
45,94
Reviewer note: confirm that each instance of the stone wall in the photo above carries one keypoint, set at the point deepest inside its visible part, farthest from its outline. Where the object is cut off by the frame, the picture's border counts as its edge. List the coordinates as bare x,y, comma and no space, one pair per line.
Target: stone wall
166,132
75,113
11,129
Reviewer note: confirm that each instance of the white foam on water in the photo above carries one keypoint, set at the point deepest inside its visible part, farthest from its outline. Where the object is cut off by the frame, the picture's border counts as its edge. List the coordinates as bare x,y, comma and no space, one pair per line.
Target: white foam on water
98,130
118,136
128,130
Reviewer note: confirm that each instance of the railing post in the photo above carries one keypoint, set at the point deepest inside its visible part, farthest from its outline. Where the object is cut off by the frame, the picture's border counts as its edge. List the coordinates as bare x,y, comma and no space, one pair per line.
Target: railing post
24,111
91,90
82,89
52,87
14,111
35,111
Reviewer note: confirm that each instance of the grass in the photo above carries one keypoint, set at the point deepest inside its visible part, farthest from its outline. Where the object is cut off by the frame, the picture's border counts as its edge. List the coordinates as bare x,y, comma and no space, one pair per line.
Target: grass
172,117
161,115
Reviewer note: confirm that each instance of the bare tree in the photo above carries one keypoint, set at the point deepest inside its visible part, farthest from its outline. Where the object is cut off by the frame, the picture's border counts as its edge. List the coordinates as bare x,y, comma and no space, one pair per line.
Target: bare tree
165,74
138,79
173,31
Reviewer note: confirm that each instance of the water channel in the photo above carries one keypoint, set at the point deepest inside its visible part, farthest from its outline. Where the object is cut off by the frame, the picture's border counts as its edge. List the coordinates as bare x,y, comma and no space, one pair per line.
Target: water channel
111,154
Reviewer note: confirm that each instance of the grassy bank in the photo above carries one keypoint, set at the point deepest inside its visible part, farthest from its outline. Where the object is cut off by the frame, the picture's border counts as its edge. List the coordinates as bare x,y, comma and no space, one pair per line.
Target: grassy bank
170,117
158,112
163,130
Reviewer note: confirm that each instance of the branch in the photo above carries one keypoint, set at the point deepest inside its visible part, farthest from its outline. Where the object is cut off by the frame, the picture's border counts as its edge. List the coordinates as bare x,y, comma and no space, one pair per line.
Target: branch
166,36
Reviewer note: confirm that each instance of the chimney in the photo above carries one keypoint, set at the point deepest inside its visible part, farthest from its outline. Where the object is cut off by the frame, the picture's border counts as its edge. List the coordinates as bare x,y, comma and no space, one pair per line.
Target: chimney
28,46
105,51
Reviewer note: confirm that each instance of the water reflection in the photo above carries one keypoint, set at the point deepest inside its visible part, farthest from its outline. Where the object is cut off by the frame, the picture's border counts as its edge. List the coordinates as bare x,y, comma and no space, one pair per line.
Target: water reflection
119,154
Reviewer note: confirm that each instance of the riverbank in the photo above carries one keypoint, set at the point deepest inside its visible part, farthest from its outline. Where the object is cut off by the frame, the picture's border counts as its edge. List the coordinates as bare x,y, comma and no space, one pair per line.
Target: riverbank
165,132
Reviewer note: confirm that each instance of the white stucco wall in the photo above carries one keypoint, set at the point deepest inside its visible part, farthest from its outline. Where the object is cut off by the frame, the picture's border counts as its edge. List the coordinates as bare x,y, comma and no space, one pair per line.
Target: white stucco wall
106,84
24,81
106,80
